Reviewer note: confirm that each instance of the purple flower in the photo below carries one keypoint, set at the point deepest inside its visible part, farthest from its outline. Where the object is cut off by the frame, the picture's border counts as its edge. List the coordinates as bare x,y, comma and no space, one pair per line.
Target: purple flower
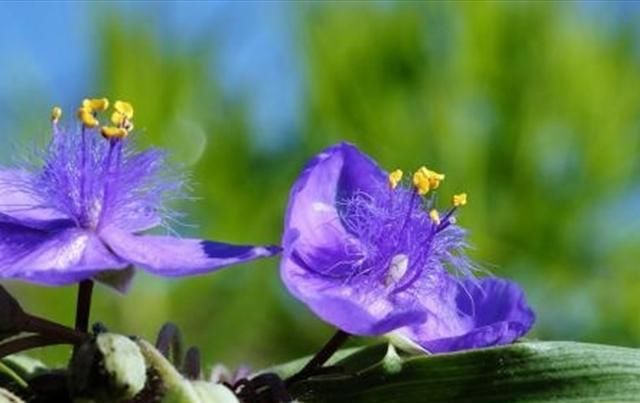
79,214
370,254
489,312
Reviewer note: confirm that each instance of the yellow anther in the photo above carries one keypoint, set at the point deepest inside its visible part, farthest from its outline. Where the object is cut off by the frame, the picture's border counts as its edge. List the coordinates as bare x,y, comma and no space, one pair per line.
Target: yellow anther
96,104
87,118
117,118
433,177
460,199
56,113
421,182
124,108
111,132
435,216
122,115
394,178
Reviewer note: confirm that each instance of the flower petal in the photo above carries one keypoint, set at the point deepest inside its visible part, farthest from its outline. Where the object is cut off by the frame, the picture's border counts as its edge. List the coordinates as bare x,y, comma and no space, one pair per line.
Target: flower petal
171,256
53,256
333,174
360,173
18,201
316,257
312,224
494,312
364,314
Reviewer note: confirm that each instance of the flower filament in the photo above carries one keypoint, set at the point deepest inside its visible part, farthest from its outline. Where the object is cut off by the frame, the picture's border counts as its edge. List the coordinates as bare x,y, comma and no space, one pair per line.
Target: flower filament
399,236
93,168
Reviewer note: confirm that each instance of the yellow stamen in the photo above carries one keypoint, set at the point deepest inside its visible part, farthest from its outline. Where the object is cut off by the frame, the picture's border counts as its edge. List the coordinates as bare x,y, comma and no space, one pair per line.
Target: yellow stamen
435,216
111,132
122,115
87,118
124,108
56,113
394,178
96,104
421,182
434,177
460,199
117,118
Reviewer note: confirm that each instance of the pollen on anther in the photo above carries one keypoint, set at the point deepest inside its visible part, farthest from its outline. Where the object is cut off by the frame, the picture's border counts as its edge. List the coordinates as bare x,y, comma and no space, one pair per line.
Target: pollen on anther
111,132
122,115
460,199
87,118
124,108
394,178
96,104
421,182
433,177
435,216
56,113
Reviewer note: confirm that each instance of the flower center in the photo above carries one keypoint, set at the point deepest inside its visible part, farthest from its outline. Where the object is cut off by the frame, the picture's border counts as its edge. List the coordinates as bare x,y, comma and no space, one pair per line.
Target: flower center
397,233
92,165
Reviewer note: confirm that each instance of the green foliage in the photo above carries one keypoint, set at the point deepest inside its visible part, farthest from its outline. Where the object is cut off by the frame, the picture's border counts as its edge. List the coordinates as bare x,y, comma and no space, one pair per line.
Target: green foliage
524,372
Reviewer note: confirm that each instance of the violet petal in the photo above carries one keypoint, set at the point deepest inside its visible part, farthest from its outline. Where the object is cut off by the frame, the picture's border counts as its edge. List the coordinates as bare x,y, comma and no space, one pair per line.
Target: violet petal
52,256
494,311
170,256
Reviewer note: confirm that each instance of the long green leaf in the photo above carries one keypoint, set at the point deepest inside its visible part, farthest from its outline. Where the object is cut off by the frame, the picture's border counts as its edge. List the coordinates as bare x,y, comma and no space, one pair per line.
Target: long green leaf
523,372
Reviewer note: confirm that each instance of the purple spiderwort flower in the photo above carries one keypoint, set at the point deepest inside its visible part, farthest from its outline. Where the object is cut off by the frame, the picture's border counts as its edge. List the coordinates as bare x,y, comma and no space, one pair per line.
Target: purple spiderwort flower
490,311
370,254
80,214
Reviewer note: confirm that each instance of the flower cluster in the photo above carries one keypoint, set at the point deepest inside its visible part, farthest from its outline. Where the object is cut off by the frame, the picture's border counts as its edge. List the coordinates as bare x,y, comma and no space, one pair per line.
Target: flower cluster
81,212
366,250
371,254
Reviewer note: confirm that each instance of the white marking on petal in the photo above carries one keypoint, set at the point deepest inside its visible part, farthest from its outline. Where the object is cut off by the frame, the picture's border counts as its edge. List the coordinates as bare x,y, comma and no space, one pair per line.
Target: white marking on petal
322,207
260,251
397,268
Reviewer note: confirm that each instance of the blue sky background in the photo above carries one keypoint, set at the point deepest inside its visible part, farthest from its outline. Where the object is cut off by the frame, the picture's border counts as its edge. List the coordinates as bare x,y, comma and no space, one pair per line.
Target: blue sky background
49,48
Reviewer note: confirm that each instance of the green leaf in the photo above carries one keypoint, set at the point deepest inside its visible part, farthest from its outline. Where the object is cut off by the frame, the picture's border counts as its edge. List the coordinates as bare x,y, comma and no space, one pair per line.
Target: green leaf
8,397
21,368
523,372
8,376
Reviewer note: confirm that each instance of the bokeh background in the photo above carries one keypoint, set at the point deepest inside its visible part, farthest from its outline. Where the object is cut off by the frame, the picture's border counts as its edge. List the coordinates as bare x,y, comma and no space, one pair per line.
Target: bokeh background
533,108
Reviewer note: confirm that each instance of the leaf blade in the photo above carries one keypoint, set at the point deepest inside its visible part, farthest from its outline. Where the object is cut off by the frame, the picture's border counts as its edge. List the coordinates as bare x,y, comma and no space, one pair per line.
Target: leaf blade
524,372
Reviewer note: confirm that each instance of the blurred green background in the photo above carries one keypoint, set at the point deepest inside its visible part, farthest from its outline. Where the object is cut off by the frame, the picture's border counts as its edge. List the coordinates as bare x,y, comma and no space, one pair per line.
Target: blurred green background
532,108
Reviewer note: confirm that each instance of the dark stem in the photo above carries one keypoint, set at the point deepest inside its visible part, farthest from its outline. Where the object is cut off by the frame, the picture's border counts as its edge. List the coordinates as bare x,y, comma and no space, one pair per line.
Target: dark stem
321,357
83,305
51,330
444,222
28,342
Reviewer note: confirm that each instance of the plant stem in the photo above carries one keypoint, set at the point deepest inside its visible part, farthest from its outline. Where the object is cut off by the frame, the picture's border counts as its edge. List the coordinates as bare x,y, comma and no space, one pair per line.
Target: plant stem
51,330
321,357
26,343
83,305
